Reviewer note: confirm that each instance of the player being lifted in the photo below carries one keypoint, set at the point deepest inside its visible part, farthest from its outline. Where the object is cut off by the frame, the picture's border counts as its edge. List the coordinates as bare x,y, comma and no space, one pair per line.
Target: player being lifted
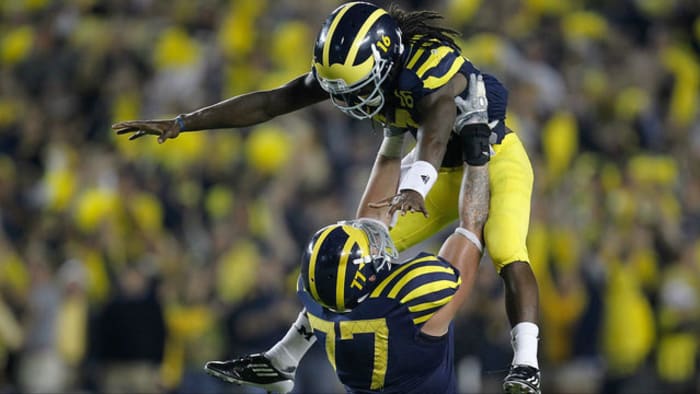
407,74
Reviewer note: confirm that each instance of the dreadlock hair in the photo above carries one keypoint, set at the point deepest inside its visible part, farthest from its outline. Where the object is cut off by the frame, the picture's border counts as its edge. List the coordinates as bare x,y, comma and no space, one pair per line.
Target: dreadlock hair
417,25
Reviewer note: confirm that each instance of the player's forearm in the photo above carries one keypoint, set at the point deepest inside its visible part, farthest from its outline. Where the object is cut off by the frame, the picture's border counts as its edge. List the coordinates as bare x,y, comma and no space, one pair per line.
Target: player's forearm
432,150
256,107
240,111
383,182
463,248
433,136
473,207
475,197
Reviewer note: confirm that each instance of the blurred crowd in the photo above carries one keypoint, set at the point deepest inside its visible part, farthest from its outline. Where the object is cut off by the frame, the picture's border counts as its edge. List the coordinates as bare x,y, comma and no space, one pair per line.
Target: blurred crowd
125,265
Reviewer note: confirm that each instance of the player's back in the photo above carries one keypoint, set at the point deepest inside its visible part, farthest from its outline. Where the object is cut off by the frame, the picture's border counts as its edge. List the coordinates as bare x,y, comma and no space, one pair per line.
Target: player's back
378,345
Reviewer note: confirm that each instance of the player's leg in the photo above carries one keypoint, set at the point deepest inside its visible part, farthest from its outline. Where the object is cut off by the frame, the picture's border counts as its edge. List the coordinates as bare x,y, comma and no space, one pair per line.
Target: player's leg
442,206
505,235
274,369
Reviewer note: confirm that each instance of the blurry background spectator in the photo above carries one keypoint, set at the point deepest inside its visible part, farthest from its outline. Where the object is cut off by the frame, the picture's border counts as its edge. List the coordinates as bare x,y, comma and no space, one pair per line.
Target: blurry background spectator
129,336
135,259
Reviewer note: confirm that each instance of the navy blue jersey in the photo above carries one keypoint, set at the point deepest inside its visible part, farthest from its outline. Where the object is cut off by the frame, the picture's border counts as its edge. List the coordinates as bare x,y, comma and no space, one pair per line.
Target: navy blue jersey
378,346
427,66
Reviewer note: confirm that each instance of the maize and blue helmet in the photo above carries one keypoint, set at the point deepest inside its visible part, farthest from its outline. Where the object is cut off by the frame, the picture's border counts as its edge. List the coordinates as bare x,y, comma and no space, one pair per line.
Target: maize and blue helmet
354,54
340,259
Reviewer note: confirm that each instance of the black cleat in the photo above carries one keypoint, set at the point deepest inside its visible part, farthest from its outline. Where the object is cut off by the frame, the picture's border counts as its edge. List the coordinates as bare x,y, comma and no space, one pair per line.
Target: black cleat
254,370
522,379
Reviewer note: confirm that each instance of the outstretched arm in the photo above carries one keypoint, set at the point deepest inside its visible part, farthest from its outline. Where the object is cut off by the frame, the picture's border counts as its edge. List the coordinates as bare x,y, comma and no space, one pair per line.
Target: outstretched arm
239,111
257,107
463,248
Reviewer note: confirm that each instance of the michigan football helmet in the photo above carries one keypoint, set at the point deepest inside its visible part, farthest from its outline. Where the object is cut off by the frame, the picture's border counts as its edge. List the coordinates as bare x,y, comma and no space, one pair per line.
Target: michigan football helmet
354,54
340,259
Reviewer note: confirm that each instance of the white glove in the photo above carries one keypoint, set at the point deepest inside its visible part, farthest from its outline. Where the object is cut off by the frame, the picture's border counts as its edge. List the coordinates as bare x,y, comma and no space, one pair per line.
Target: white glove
472,123
474,108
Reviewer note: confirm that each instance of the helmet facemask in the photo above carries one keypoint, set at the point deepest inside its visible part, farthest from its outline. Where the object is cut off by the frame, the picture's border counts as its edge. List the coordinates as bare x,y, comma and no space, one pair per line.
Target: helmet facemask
363,99
383,252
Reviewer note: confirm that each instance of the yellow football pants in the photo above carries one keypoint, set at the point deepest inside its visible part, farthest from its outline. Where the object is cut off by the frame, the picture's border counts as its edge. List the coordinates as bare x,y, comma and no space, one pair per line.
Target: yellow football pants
506,229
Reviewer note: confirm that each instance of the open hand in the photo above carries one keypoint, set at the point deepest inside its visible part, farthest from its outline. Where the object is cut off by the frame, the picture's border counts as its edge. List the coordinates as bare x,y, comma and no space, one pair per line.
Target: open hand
473,109
164,129
406,201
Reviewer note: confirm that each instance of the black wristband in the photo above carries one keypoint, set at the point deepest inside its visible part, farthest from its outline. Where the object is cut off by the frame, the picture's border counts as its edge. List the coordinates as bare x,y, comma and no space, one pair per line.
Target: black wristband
476,150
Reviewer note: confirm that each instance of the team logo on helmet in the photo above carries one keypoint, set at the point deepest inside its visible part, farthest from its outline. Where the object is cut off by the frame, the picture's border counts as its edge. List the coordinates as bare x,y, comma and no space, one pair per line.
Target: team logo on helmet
340,259
354,53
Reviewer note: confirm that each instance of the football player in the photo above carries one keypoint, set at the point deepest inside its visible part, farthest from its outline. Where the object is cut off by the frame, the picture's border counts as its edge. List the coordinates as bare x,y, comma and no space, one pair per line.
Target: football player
402,71
385,324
